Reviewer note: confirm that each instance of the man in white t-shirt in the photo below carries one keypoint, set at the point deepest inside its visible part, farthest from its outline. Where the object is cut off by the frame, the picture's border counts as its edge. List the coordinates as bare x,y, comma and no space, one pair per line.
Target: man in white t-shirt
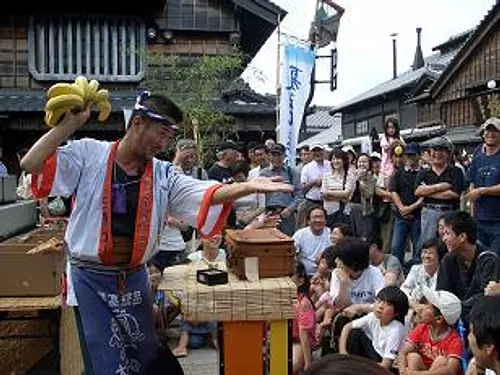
171,246
311,241
311,178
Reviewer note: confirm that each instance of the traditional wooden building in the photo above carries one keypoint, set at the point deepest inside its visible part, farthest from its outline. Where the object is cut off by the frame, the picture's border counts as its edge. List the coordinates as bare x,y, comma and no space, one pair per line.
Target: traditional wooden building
41,44
366,113
461,97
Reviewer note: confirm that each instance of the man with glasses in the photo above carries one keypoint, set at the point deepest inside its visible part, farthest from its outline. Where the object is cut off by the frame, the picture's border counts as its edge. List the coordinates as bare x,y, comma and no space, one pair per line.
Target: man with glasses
484,193
123,194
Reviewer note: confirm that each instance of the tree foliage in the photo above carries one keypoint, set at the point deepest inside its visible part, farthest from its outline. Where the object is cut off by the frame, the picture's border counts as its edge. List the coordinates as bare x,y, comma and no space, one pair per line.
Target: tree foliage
196,84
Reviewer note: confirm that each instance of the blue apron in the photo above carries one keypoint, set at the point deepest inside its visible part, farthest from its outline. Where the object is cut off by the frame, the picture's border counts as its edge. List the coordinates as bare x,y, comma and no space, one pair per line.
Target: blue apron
116,319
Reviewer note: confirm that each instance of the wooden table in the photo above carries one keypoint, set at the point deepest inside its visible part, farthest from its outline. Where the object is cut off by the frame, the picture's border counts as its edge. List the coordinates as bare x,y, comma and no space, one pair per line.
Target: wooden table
244,310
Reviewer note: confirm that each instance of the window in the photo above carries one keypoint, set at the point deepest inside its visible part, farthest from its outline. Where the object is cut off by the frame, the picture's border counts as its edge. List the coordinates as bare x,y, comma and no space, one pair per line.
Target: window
108,49
201,15
362,127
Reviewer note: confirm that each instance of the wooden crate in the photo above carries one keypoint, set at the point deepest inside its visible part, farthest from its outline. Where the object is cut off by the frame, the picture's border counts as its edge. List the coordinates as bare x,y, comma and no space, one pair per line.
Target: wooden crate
274,249
26,275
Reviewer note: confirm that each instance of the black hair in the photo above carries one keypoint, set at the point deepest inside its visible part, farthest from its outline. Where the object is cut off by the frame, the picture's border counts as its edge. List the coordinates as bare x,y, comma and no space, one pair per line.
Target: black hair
337,153
161,105
353,252
251,146
316,208
375,239
241,166
345,364
154,262
345,229
485,321
462,222
300,273
394,121
398,299
261,146
329,256
438,245
305,148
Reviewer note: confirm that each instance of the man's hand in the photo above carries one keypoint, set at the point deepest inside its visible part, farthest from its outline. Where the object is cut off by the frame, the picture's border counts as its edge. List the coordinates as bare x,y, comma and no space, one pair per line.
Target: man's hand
492,289
474,194
342,276
286,213
268,185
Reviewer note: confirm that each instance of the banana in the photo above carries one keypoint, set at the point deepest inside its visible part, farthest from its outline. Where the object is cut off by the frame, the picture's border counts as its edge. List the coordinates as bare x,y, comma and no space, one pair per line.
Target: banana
52,117
83,83
64,88
93,86
101,95
104,107
67,101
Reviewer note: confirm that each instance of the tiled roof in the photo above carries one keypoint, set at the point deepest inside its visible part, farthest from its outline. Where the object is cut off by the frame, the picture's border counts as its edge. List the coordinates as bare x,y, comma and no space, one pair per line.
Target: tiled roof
320,119
34,101
432,65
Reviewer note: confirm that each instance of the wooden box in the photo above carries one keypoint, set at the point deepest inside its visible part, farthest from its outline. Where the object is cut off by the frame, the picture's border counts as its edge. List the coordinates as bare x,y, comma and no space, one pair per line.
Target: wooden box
274,249
25,275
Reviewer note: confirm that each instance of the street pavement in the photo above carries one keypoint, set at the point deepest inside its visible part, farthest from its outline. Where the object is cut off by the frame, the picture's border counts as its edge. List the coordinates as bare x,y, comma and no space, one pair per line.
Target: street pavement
200,362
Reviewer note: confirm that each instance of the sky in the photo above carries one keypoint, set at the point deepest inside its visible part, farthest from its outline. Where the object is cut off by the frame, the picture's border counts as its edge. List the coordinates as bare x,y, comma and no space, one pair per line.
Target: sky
364,43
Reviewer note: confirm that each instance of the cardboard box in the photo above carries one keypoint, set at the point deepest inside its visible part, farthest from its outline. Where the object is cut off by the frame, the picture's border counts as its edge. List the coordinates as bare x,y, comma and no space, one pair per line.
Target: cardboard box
29,275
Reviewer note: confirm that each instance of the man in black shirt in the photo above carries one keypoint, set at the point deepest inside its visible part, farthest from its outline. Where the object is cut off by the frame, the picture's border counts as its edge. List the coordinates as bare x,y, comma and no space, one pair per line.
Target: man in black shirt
440,186
407,221
227,154
468,267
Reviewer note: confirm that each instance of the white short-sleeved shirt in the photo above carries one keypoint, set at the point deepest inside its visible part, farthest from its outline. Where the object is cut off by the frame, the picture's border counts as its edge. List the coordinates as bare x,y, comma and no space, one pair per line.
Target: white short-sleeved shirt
171,239
362,290
309,246
387,339
313,171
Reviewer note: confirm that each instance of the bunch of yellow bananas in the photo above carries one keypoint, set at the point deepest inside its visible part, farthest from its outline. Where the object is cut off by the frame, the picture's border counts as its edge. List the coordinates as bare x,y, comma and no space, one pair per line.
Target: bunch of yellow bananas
63,97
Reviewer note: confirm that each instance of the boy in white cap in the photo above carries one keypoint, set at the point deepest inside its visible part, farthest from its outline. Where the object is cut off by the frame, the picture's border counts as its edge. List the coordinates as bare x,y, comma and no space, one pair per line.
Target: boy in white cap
434,345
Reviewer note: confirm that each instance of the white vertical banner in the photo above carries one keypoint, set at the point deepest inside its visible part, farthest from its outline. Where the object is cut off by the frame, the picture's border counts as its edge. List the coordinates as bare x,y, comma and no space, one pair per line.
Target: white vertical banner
298,65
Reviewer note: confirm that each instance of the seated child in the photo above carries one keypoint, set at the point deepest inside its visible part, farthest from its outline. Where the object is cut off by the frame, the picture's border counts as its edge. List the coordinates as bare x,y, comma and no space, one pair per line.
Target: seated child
195,335
304,322
379,334
434,346
166,305
388,264
353,287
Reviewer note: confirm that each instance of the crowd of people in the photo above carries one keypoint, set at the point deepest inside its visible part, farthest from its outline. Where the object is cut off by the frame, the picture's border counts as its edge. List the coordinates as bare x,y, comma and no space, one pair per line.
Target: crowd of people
395,250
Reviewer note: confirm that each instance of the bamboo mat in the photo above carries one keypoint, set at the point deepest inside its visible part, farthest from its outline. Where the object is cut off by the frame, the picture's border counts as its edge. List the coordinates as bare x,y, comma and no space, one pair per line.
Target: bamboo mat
239,300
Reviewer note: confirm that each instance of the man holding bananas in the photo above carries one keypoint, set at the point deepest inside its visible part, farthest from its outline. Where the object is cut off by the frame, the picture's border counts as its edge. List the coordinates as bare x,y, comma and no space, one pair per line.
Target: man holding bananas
123,194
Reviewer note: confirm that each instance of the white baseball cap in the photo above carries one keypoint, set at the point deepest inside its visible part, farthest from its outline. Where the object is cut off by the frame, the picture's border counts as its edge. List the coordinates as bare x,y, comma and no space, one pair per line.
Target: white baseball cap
447,303
376,155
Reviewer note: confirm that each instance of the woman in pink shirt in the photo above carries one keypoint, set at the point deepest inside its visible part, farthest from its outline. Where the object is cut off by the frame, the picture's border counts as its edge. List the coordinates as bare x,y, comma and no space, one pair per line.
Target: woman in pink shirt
304,322
391,135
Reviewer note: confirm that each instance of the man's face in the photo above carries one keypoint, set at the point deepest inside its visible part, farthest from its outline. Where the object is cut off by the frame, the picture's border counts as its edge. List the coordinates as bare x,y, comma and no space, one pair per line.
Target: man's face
152,138
305,156
230,157
317,220
317,154
412,160
440,156
491,136
277,158
483,355
260,156
187,158
453,241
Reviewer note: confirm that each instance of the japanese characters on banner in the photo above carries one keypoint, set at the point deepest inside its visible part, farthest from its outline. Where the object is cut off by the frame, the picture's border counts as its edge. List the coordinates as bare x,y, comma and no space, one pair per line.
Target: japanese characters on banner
298,65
